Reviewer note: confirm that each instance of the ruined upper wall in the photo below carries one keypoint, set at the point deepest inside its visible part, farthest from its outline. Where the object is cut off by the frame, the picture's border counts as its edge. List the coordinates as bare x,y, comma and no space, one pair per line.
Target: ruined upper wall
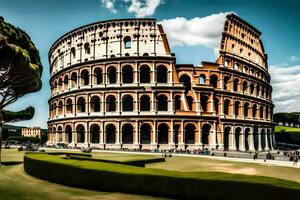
242,40
108,39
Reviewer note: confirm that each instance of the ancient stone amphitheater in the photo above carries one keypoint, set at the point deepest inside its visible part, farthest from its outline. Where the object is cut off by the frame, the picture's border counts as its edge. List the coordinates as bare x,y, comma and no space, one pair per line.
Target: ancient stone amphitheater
115,84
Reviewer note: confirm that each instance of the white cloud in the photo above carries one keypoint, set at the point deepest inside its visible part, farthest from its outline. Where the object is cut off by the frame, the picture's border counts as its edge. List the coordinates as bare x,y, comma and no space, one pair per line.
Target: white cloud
294,58
206,31
110,5
286,91
140,8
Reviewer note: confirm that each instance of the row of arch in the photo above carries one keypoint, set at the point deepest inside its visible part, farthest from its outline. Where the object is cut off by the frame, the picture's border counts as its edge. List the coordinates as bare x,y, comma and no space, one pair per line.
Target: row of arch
127,134
128,103
237,139
98,76
236,85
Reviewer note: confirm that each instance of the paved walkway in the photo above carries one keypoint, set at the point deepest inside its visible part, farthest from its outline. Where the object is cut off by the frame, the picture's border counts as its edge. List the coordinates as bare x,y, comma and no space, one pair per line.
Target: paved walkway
257,161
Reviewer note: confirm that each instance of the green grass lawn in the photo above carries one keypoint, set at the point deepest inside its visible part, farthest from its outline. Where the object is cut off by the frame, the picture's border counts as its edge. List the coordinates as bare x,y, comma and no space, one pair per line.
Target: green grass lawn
16,184
180,177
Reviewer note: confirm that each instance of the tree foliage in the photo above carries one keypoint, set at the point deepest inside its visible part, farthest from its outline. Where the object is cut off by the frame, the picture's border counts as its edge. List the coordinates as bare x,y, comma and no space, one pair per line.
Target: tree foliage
20,65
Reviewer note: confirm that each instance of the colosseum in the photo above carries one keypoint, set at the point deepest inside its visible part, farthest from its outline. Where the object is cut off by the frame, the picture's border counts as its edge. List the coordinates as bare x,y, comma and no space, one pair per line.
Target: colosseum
116,85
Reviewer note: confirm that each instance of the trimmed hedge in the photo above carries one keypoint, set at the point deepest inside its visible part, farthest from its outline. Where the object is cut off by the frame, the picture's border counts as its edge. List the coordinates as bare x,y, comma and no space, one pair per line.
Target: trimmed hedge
137,163
146,181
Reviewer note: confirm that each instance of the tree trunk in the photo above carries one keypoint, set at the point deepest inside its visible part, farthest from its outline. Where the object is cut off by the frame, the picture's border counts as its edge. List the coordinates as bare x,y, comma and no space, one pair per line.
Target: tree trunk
0,139
1,123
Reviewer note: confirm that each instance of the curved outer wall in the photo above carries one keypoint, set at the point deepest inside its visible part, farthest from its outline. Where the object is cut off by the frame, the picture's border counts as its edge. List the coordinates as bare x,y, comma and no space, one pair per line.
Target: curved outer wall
115,84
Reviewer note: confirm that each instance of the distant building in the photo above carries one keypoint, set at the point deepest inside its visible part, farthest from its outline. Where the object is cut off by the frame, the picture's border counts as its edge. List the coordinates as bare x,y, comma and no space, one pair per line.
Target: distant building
31,132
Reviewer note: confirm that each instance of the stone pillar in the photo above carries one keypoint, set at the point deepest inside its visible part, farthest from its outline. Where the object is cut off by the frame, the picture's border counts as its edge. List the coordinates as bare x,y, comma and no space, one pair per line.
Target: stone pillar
171,102
103,103
153,102
267,141
119,102
199,134
137,104
172,133
101,134
214,134
212,102
242,141
137,139
232,145
171,73
259,141
182,134
119,74
118,136
154,133
251,143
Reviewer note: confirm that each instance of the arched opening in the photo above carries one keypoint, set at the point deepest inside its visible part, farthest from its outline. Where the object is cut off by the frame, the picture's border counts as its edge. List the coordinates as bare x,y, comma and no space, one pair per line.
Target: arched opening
236,84
127,103
127,134
127,74
238,137
205,134
257,90
95,134
177,103
245,86
87,49
74,79
202,78
59,133
247,139
189,134
68,133
226,82
226,138
254,110
255,137
163,134
237,108
145,103
263,139
66,82
60,83
261,112
84,77
226,106
60,108
73,52
213,81
69,106
176,133
111,103
81,104
112,75
144,74
216,105
127,42
162,74
95,104
246,109
145,134
251,88
110,134
162,103
80,133
98,76
186,81
204,103
190,100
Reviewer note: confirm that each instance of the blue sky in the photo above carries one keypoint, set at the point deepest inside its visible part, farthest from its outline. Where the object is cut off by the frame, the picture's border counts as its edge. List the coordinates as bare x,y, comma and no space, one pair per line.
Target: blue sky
45,21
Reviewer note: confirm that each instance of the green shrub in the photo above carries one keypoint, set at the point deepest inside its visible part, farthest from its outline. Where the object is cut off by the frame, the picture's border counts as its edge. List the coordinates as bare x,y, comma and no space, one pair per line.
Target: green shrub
137,163
180,185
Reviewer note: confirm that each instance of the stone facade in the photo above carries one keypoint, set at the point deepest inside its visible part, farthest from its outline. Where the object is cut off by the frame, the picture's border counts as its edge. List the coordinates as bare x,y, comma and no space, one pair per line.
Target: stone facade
31,132
115,84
